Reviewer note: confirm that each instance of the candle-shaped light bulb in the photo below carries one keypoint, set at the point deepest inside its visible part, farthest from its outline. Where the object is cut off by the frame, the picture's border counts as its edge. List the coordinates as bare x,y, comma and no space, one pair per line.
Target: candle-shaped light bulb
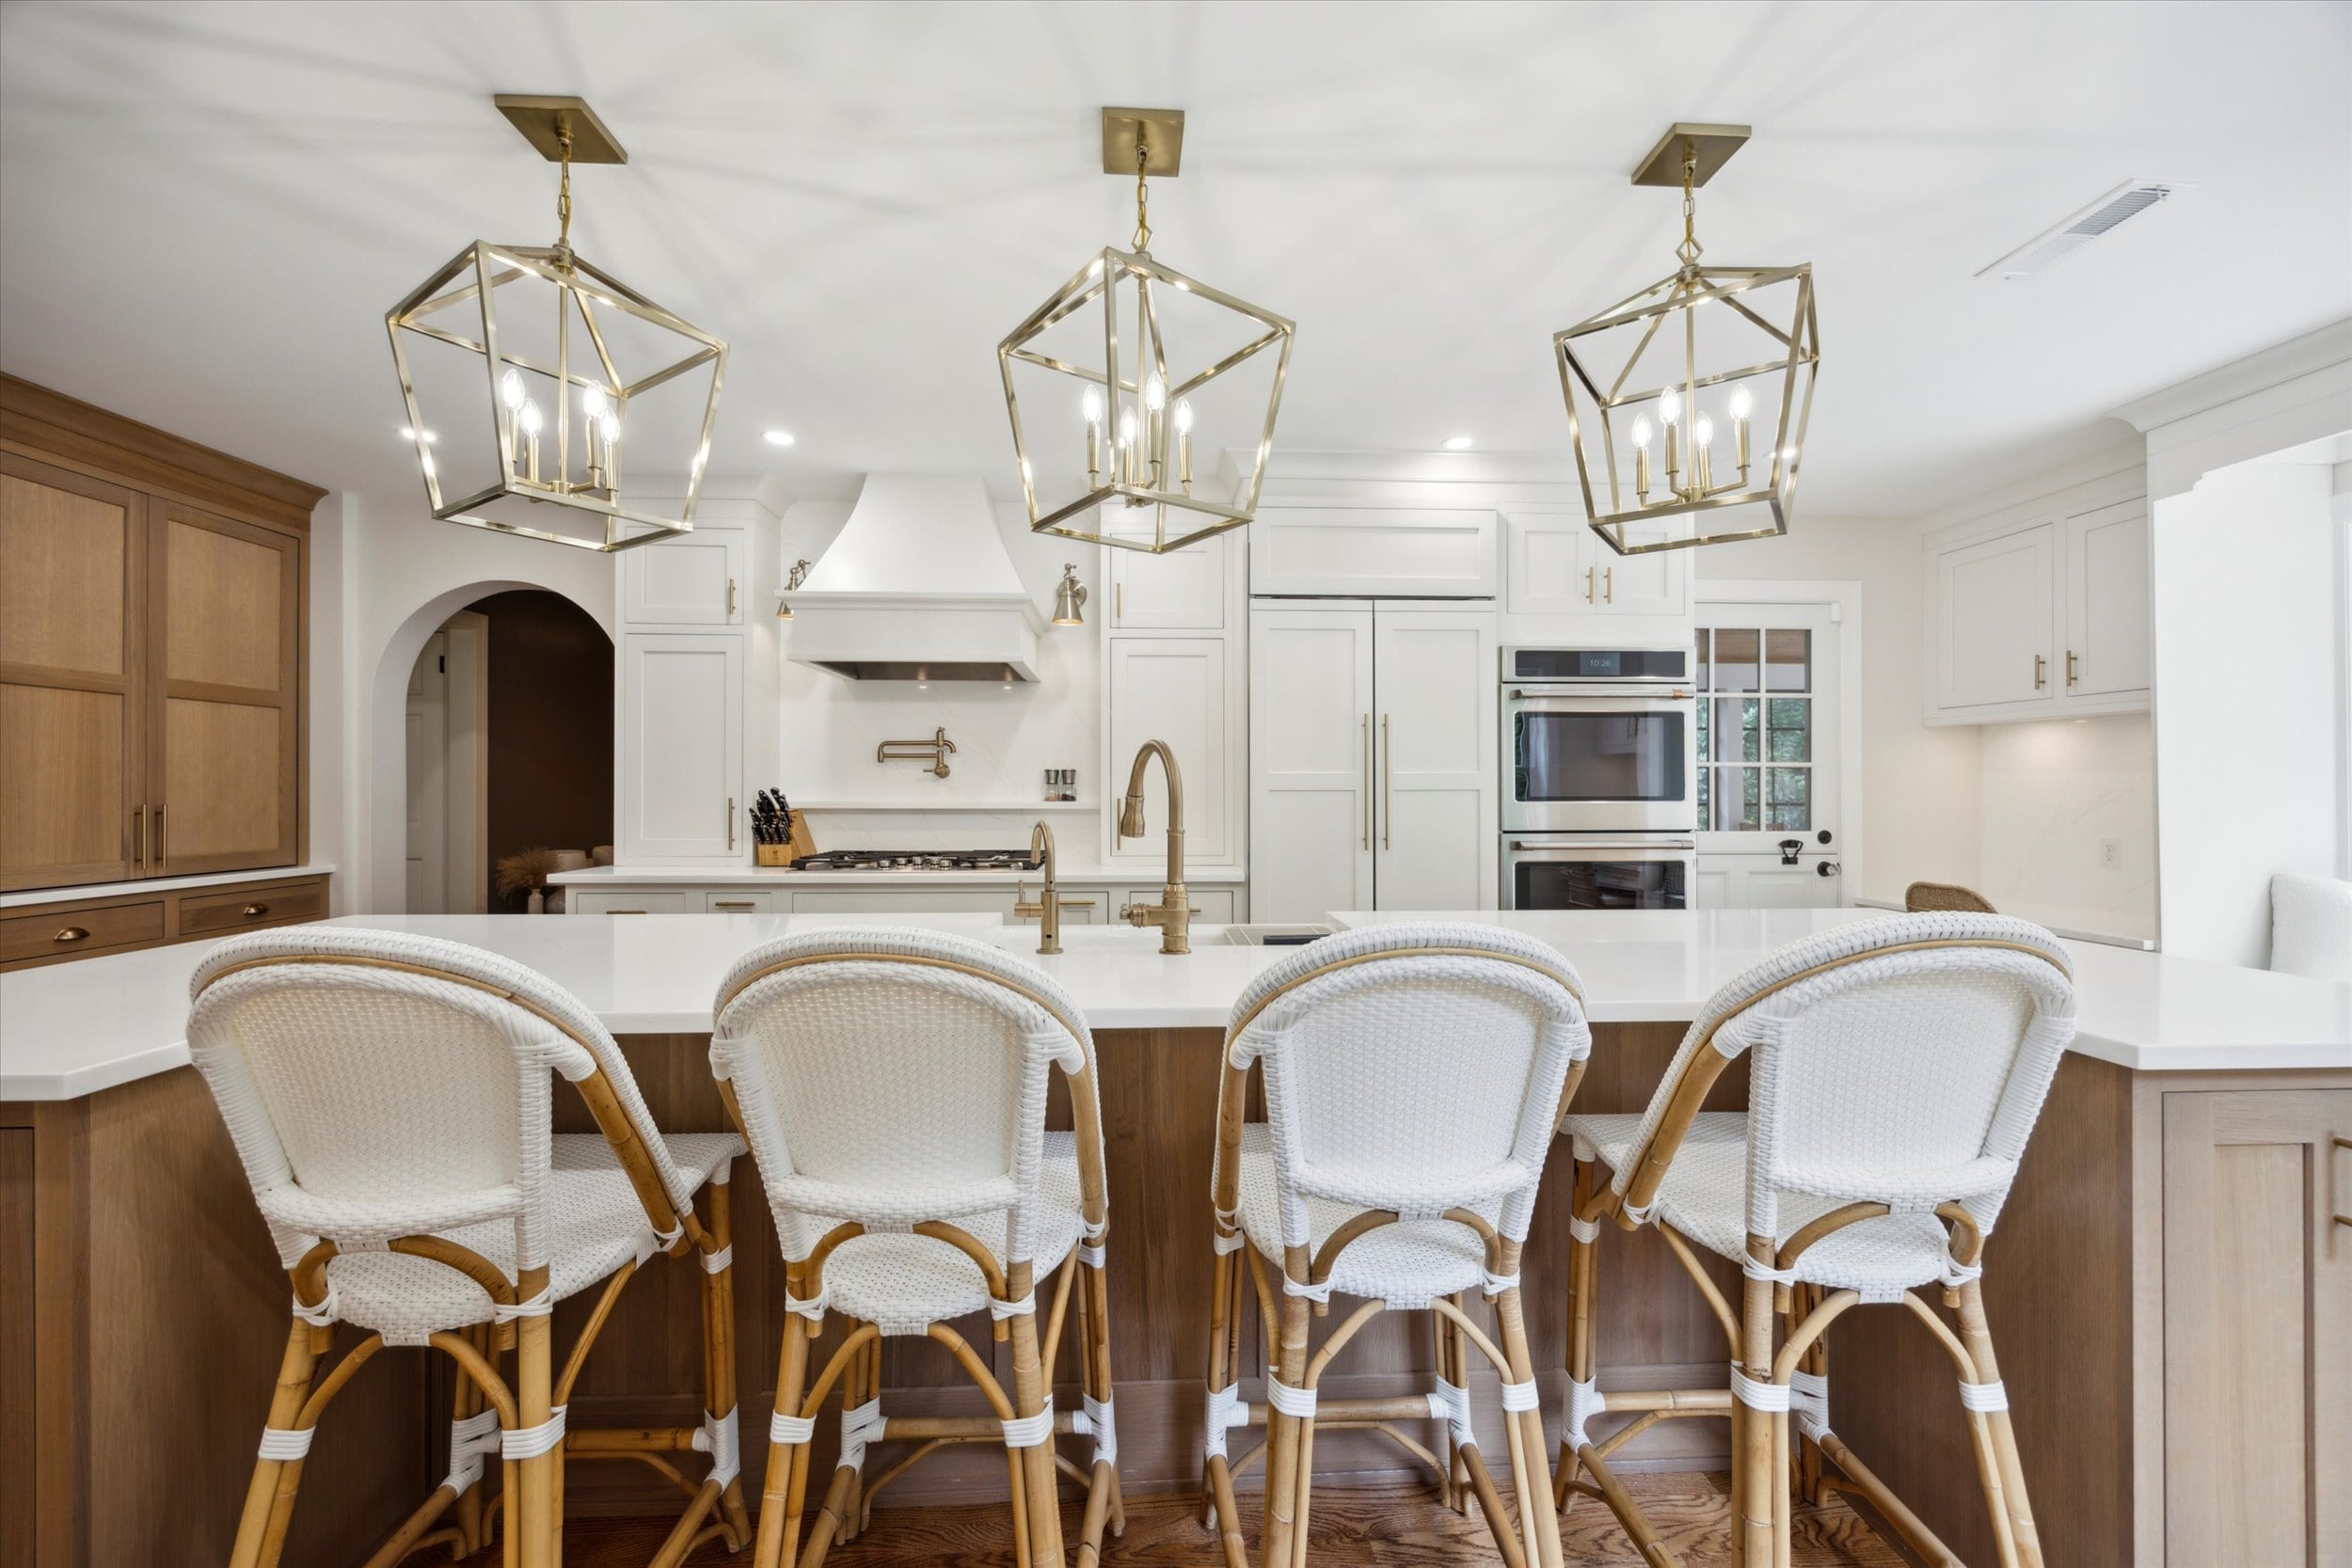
1184,442
1091,405
1641,433
511,390
1703,430
591,400
1154,392
1641,459
1742,402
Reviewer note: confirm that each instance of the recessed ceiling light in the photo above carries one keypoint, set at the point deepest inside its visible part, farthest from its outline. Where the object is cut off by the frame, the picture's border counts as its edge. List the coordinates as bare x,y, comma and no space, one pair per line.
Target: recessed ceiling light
778,438
1457,443
407,433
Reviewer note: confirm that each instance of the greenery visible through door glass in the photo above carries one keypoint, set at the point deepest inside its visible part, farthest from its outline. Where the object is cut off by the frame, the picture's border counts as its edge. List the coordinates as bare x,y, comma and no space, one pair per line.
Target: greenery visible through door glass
1789,729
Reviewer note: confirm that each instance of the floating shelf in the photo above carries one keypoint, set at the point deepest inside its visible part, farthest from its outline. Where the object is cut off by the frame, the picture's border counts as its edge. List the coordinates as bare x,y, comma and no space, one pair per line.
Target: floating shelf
945,806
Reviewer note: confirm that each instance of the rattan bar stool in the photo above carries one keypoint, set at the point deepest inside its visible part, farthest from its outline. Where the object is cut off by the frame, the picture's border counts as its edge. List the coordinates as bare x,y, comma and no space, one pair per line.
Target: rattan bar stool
892,1083
1413,1076
391,1097
1897,1066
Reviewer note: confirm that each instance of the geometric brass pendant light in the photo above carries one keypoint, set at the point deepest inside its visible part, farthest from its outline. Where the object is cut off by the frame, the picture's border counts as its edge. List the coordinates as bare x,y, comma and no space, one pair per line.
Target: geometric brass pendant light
1688,401
558,388
1122,364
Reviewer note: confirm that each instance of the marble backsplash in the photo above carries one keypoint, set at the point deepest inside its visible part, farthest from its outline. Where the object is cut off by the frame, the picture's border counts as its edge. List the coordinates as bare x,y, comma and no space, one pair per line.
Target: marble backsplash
2059,802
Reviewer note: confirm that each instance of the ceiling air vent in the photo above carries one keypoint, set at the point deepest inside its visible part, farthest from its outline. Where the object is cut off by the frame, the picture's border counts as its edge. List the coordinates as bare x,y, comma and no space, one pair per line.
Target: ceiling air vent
2053,246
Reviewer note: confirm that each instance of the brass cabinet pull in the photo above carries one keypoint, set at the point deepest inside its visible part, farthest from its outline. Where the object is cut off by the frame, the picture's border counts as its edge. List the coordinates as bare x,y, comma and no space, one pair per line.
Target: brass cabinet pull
2038,662
1367,780
2343,1219
624,911
730,598
1609,585
733,904
730,824
162,856
2070,667
71,933
1387,787
138,839
1588,585
255,911
1118,601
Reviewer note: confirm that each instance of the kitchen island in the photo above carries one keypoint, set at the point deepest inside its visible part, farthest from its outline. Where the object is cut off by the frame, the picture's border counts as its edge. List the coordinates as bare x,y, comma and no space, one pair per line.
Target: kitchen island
2195,1096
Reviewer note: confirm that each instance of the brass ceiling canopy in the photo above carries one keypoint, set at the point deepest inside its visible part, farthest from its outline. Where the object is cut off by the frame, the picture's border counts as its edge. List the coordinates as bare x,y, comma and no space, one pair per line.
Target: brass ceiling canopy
548,372
1707,350
1130,428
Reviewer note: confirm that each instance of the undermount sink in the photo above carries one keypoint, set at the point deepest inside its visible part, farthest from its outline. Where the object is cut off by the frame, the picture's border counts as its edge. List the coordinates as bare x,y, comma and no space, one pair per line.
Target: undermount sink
1293,935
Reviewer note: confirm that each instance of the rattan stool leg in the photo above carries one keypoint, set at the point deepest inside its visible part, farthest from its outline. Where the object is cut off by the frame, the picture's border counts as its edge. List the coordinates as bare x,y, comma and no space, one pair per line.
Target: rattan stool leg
1762,1496
2004,1479
1540,1520
296,1370
1028,1398
1283,1478
719,1393
787,1463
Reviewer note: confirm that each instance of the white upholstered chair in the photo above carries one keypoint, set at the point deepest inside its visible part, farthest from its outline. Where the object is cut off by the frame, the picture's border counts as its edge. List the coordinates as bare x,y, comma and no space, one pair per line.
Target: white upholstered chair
1896,1068
893,1083
391,1097
1413,1076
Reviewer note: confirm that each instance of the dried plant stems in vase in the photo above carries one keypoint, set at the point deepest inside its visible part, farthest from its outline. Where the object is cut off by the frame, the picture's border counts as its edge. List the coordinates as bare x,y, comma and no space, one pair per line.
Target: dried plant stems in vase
527,872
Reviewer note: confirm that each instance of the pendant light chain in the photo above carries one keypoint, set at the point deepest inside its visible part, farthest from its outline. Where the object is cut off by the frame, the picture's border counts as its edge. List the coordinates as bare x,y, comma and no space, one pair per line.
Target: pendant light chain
564,190
1143,196
1689,248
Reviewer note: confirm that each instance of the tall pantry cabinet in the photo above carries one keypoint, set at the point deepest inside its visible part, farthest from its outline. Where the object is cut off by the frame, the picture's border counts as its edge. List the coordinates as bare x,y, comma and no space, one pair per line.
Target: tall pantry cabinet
151,652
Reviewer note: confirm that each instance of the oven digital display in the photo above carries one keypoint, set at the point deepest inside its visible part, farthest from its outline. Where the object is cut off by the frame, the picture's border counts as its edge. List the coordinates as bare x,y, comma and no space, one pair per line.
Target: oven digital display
1598,885
1588,664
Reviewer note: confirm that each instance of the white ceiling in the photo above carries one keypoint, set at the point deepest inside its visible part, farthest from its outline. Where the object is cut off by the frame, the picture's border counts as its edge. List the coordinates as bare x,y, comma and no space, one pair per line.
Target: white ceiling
205,209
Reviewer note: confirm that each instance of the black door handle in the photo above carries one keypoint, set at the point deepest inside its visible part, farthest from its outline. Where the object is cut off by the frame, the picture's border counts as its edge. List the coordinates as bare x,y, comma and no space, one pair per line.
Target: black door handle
1825,869
1788,848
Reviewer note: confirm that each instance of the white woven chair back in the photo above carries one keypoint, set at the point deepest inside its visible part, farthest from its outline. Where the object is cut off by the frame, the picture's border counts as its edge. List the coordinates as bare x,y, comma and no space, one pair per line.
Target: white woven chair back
1901,1061
380,1084
1413,1067
891,1076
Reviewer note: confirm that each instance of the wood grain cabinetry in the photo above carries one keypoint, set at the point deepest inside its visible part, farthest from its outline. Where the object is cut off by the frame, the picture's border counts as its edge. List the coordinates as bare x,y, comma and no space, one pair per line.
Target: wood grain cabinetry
152,630
121,923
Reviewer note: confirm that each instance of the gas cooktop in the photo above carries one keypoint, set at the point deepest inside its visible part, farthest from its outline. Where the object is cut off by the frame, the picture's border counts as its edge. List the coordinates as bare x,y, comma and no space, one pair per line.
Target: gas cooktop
918,860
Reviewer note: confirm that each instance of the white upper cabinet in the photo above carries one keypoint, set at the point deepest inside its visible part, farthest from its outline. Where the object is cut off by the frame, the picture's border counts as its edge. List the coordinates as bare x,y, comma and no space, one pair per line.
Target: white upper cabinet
1311,760
1172,689
1994,600
680,754
1181,590
1374,553
1435,680
1555,564
2041,612
699,580
2106,601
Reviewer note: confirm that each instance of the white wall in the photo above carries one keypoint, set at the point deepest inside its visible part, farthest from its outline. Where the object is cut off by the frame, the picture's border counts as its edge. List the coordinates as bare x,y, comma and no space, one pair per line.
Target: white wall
1004,739
1920,815
2052,798
2248,709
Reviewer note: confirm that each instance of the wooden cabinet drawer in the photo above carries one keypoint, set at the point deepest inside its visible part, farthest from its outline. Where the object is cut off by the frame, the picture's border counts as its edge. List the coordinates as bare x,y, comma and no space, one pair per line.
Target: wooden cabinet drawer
37,936
219,913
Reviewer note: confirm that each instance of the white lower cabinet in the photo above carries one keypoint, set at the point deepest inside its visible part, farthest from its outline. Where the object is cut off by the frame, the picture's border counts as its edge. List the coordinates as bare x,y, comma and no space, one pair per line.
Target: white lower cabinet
679,772
1372,758
728,901
891,900
580,900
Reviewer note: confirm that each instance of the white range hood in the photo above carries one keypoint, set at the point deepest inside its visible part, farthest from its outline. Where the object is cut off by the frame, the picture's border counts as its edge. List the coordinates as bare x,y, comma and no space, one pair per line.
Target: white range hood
917,586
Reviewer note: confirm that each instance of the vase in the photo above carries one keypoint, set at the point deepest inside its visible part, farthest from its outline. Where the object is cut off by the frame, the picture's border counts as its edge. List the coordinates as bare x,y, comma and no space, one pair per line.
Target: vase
538,904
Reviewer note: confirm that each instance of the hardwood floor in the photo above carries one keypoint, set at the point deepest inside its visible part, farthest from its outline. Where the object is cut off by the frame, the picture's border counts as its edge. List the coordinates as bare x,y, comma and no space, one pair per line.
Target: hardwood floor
1389,1526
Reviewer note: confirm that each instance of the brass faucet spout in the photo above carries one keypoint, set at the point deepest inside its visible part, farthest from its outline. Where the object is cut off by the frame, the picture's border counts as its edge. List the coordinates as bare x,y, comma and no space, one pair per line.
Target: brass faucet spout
1172,914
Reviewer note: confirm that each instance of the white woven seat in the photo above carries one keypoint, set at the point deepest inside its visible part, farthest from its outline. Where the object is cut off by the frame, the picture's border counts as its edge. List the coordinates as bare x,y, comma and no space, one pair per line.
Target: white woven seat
1705,1196
893,1085
391,1097
594,1225
904,1283
1413,1075
1407,1264
1897,1069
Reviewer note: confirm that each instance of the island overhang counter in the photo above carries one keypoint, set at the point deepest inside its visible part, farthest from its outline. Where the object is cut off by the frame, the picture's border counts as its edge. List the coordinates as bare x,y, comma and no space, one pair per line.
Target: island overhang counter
146,1305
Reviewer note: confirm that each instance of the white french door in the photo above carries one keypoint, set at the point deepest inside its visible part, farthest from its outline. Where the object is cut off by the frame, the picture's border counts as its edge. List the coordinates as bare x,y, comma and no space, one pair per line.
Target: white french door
1770,727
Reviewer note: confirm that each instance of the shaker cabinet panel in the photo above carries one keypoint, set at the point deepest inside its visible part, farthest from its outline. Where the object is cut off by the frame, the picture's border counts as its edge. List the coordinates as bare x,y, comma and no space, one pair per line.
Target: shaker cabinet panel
1993,601
72,677
680,765
698,580
1555,564
2106,601
1172,689
1434,680
1311,761
1181,590
1394,552
1654,583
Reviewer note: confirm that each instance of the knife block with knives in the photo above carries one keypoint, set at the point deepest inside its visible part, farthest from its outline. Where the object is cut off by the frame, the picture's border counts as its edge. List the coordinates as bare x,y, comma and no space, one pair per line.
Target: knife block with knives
779,833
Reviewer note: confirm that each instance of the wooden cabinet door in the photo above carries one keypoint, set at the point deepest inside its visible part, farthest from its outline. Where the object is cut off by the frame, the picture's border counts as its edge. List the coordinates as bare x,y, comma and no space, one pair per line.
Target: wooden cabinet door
73,678
2257,1328
1311,761
2106,601
679,783
223,618
1434,681
1993,612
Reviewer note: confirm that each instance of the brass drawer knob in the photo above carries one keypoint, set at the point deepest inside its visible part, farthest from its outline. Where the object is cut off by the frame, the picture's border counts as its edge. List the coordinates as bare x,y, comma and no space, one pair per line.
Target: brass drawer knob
255,911
71,933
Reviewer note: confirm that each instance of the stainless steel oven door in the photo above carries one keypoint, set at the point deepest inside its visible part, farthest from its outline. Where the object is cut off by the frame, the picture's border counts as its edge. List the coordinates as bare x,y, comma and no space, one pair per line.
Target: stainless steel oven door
1580,873
1609,761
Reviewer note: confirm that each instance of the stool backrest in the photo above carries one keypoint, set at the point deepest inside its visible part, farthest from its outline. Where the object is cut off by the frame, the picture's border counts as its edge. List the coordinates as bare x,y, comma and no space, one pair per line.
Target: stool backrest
891,1076
1414,1067
1899,1061
380,1084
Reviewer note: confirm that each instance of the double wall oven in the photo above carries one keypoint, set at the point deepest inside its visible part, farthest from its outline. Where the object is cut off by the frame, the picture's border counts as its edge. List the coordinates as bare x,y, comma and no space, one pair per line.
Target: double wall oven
1599,778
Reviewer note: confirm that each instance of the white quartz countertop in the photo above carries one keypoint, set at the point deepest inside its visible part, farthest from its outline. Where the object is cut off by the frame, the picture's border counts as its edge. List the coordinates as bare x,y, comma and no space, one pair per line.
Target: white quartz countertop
68,1030
1069,873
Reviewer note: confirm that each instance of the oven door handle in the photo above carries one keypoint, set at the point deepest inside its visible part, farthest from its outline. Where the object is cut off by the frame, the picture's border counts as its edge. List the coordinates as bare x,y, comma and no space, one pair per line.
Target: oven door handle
1679,845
